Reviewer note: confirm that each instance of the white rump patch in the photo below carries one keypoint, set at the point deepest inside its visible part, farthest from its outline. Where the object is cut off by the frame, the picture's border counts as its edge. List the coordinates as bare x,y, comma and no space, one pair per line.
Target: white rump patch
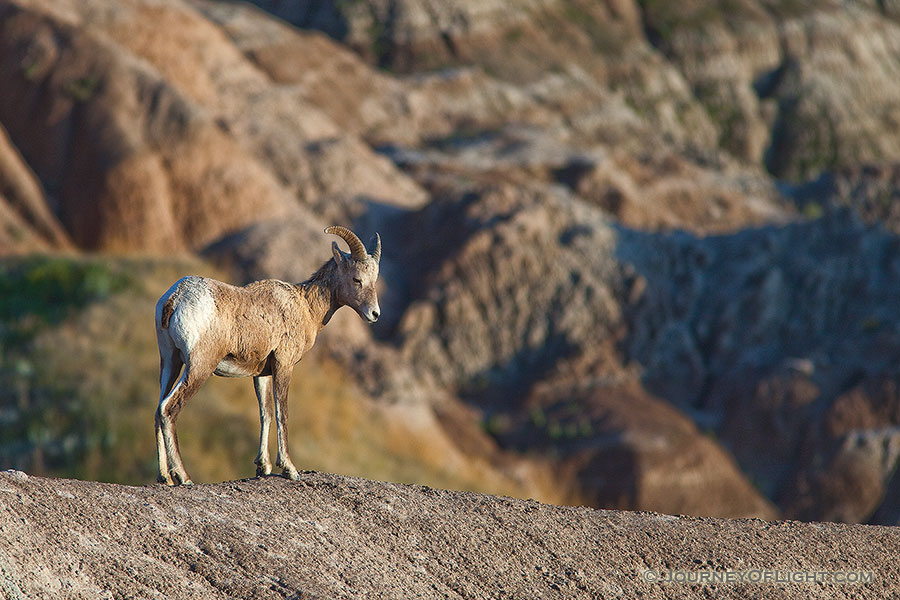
193,315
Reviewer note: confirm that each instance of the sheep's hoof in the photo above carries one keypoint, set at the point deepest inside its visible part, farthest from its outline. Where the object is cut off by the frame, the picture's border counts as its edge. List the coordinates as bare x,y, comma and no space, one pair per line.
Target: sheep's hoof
165,479
291,473
263,470
179,479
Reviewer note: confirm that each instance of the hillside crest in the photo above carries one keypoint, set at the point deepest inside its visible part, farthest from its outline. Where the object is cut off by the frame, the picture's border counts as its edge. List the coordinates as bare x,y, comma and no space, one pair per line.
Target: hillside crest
329,536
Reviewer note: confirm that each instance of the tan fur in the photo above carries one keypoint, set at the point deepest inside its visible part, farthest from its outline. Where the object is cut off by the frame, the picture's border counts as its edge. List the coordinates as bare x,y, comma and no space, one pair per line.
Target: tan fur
260,330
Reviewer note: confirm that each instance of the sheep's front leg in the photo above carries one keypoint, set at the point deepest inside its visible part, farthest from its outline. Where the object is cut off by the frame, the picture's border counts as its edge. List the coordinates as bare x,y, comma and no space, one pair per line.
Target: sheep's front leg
263,387
282,377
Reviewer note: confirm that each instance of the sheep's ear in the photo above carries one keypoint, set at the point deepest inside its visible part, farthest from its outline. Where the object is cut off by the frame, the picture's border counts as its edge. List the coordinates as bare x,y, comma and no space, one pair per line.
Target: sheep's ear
338,255
375,243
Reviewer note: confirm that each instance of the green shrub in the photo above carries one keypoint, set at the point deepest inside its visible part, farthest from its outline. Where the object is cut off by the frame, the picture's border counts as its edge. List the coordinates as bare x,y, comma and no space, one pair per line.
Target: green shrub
83,88
42,290
44,426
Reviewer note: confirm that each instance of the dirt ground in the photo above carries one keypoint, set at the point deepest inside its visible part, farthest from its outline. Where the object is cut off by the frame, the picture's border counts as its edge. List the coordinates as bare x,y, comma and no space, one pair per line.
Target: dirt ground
329,536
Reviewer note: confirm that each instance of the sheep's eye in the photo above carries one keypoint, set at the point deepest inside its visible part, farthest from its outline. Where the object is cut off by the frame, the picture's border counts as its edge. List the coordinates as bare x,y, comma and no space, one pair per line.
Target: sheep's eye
357,281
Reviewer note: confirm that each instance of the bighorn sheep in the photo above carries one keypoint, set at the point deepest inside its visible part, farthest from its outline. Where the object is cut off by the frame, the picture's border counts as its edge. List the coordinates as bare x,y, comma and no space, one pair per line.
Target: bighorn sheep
260,330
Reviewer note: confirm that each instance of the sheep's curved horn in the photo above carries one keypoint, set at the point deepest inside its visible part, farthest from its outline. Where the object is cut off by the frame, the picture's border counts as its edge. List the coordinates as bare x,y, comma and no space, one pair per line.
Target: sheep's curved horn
376,253
357,249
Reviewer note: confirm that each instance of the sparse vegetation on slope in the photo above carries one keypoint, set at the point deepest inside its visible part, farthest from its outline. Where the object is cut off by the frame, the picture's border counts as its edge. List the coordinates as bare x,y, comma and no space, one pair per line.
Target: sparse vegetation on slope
79,381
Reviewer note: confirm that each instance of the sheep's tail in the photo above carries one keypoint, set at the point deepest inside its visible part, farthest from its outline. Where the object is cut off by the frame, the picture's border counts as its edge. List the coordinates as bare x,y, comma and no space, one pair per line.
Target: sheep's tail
168,310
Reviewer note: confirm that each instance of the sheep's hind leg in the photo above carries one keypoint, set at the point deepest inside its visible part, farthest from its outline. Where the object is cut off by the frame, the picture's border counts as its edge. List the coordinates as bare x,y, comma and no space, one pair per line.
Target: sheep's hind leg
169,369
169,410
263,387
282,380
162,458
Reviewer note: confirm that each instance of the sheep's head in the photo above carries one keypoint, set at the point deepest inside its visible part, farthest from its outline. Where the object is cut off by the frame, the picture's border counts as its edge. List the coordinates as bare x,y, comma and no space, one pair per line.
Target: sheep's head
357,273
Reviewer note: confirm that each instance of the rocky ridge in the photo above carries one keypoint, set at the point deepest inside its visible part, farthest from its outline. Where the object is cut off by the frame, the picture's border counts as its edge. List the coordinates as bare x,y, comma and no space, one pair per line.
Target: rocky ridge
334,537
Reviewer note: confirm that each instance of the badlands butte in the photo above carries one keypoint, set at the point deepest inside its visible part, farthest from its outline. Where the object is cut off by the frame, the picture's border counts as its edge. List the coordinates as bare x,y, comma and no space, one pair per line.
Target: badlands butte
637,255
